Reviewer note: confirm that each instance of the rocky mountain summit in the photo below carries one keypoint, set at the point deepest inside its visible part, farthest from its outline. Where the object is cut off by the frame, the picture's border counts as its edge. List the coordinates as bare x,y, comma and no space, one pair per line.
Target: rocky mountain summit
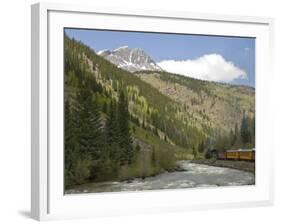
130,59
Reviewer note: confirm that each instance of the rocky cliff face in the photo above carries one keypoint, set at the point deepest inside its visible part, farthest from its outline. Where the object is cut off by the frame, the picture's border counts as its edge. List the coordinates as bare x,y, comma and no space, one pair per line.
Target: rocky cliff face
130,59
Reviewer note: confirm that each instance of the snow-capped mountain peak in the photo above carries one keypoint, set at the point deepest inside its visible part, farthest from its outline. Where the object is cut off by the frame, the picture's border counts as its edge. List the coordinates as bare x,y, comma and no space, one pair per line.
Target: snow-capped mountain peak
130,59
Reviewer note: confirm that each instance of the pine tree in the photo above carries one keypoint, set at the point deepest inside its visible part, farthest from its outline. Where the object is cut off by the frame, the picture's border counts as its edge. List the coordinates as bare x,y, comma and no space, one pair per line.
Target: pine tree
245,131
253,131
104,107
125,140
201,147
232,137
195,153
70,144
112,132
89,125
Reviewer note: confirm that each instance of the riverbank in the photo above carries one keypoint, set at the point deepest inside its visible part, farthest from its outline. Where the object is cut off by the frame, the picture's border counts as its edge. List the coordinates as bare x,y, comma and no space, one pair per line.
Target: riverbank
194,175
239,165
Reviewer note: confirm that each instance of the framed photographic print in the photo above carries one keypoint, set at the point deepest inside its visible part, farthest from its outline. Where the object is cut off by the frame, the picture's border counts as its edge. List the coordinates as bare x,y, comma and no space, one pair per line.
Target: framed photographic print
139,111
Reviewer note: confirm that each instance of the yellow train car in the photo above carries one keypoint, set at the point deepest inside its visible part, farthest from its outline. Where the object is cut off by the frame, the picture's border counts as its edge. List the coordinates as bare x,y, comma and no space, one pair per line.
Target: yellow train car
241,154
247,155
232,154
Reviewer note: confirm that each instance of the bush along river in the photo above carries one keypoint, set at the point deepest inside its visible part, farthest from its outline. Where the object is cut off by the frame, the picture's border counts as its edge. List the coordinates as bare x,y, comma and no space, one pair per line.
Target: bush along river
192,175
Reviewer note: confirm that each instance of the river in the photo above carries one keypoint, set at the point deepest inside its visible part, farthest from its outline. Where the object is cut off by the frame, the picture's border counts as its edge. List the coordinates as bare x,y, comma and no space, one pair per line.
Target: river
194,175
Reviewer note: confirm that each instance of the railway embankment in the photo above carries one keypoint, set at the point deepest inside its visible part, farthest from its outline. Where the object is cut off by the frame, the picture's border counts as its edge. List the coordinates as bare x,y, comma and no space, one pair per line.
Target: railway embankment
233,164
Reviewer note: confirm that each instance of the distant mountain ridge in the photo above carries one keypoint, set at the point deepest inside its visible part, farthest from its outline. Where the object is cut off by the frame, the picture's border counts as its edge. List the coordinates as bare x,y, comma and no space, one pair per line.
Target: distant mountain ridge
130,59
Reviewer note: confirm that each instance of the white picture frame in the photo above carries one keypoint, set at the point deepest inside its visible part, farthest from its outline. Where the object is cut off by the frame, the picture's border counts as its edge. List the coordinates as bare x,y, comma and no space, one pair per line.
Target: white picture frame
48,200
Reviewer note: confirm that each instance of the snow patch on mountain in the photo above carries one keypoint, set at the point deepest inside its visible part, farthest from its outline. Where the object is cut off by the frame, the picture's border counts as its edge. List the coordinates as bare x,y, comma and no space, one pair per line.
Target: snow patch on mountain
130,59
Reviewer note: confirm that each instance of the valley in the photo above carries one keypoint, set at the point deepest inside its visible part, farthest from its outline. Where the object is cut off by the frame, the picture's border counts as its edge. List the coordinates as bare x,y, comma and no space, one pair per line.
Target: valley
124,122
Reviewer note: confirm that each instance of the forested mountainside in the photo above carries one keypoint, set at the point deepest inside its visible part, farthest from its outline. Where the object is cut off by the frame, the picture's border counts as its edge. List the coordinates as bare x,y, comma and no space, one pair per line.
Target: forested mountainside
207,105
120,125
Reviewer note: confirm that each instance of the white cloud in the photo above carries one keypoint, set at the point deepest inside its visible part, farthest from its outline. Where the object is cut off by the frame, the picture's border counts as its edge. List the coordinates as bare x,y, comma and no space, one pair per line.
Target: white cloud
211,67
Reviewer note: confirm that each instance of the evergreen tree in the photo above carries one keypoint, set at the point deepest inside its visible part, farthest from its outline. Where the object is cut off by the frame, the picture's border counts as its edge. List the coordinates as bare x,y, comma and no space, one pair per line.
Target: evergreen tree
104,107
125,140
155,131
195,153
112,132
253,131
201,147
69,144
90,125
245,131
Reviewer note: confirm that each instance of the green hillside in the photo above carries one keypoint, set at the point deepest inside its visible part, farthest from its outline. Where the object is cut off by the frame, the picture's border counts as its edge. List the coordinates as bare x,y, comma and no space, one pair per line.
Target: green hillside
207,105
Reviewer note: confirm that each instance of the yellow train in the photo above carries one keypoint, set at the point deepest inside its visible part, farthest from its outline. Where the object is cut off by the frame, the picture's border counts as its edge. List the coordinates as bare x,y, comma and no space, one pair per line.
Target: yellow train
240,154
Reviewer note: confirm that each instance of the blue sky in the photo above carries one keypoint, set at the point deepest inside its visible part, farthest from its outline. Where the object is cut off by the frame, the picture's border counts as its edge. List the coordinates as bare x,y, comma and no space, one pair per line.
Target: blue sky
234,57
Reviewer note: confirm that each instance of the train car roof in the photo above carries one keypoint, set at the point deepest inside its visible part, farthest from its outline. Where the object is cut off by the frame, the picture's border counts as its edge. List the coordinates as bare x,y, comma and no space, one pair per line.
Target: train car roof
241,150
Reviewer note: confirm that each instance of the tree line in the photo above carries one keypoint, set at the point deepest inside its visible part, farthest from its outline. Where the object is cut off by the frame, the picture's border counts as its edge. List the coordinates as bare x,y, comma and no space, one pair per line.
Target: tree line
241,136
